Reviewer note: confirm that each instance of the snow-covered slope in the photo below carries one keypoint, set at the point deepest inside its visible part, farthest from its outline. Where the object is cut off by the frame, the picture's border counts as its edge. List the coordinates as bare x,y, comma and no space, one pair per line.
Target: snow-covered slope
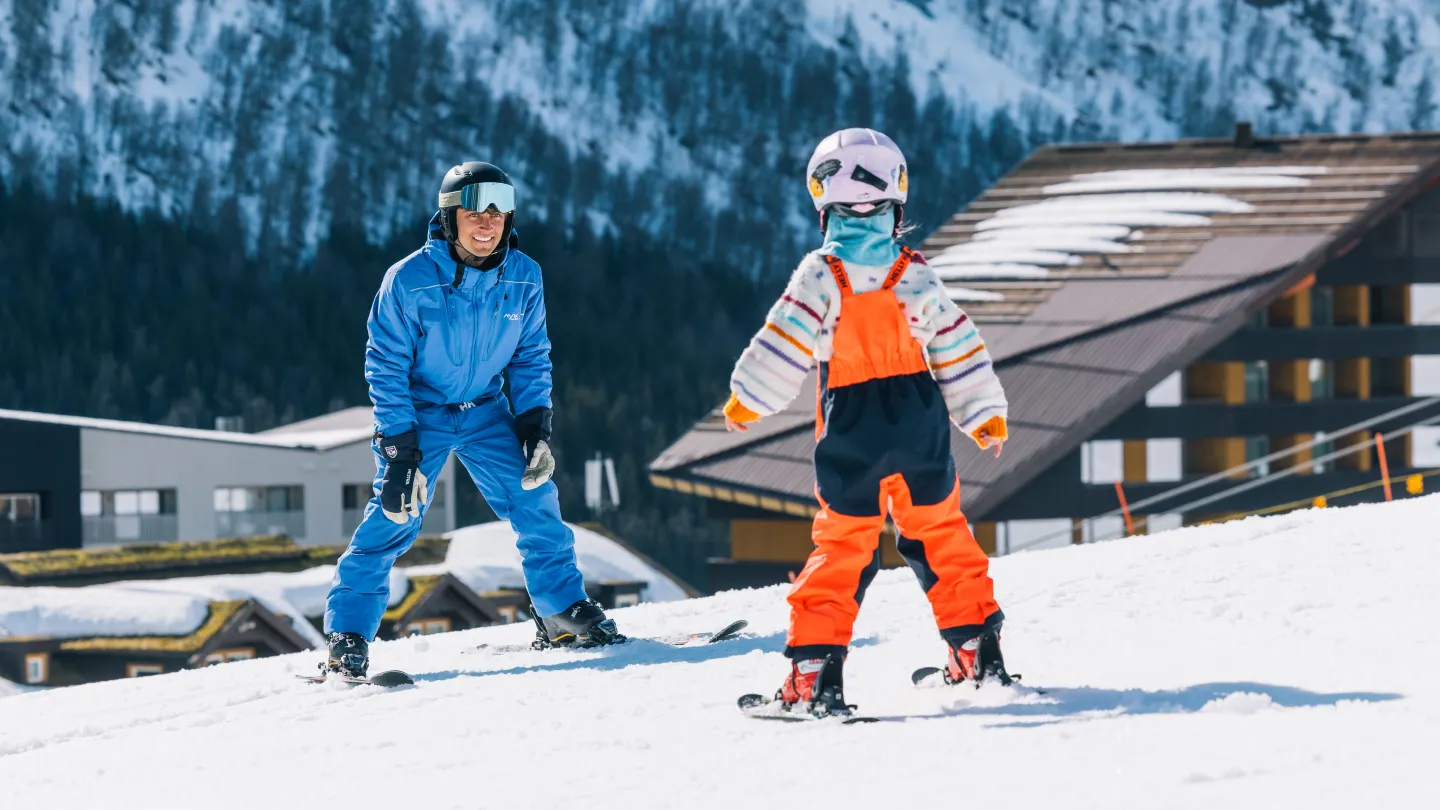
1277,662
684,118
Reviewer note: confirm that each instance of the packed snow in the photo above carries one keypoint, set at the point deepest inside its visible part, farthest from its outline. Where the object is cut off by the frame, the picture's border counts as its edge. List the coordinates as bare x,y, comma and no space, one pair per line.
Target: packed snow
1273,662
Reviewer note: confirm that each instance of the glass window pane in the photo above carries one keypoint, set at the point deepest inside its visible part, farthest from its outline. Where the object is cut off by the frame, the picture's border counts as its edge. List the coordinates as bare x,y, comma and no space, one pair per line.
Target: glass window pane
149,502
127,503
222,500
90,503
296,501
241,500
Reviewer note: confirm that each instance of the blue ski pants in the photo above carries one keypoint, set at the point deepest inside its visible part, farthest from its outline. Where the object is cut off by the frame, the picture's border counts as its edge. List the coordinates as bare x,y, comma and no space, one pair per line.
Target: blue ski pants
483,437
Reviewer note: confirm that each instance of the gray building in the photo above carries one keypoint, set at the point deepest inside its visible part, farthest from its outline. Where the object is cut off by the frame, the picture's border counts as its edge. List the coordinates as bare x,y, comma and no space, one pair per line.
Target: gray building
94,482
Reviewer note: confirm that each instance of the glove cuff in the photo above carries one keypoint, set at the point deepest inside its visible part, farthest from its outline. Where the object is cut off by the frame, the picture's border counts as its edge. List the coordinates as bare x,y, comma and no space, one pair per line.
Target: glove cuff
402,448
534,424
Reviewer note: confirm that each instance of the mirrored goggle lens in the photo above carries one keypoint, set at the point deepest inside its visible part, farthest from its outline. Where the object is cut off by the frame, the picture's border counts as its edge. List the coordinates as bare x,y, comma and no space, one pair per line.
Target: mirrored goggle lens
480,196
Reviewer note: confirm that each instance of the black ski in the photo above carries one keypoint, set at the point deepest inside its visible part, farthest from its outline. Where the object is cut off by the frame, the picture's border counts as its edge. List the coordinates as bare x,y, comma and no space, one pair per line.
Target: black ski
726,633
388,679
763,708
924,673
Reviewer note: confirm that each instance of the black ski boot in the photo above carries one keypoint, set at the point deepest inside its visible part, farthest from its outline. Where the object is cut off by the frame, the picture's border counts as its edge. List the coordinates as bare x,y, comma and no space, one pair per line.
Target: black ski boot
582,624
978,660
349,655
816,686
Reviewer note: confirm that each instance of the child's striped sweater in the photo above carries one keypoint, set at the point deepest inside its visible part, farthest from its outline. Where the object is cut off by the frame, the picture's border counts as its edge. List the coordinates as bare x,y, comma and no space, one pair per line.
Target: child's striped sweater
798,331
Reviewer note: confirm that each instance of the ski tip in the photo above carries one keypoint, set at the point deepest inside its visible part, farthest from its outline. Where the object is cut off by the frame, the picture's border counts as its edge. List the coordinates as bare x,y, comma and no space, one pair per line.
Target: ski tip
748,702
730,630
923,674
392,678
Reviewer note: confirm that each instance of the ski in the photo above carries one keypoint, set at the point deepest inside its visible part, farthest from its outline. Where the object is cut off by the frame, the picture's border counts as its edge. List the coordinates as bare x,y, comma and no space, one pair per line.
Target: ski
762,708
926,674
726,633
388,679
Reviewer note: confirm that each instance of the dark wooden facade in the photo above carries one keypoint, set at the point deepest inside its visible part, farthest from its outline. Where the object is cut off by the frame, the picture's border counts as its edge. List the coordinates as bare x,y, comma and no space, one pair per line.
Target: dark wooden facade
233,631
438,604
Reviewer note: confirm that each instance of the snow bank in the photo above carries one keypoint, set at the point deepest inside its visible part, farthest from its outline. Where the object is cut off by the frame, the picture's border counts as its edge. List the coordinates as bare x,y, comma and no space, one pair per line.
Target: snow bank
485,558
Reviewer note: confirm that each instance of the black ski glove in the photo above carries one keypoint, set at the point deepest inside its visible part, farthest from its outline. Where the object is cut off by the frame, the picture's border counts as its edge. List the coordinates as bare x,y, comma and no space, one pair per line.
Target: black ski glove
533,430
403,488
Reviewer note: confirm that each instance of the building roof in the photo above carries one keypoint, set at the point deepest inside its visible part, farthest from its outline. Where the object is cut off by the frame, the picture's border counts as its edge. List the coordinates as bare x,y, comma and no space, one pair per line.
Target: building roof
298,440
110,563
1095,270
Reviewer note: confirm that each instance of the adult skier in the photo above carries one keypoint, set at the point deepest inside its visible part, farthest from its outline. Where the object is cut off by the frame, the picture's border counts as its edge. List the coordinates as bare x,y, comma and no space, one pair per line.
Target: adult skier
898,361
451,321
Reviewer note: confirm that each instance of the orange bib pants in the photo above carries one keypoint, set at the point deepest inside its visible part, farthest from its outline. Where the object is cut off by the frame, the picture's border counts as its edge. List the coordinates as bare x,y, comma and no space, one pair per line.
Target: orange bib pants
883,449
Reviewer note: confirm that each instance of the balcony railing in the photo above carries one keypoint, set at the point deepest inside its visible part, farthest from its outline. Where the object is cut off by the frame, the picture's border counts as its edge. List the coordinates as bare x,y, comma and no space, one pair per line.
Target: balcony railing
114,530
247,524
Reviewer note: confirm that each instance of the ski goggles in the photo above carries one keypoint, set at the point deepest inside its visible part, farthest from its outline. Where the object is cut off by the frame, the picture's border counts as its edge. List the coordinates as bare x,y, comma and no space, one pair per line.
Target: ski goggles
481,196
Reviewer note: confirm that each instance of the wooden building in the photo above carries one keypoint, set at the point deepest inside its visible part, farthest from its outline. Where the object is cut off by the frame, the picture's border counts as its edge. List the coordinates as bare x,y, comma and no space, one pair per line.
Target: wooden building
1158,313
233,631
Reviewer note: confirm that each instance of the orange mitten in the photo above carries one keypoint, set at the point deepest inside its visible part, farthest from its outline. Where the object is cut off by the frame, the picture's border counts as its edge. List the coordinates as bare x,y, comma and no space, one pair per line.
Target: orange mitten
994,428
736,412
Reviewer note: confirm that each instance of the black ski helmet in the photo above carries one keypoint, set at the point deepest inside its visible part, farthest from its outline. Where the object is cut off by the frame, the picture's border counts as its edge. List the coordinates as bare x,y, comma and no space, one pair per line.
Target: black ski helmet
453,187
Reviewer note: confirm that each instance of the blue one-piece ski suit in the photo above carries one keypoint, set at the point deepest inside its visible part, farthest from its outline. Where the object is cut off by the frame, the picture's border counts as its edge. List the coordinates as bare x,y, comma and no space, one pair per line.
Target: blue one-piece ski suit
436,360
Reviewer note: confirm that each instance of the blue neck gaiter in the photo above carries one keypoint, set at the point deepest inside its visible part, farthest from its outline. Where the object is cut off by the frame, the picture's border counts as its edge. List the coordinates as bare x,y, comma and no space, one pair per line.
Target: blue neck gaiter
857,240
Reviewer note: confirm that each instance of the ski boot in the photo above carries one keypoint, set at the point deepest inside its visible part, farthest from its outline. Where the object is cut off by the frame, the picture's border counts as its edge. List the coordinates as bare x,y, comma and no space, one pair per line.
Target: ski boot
349,655
583,624
978,661
816,686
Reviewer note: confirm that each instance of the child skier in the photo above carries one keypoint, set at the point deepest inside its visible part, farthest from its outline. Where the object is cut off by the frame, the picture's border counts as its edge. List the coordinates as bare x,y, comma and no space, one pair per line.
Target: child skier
898,361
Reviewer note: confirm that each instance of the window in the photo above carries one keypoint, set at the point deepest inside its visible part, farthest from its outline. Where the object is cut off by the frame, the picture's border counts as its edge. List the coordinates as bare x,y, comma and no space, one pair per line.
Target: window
1102,462
1322,306
96,503
260,499
1257,381
1322,448
1257,447
1260,320
1322,379
1167,394
507,614
427,627
355,496
626,599
226,656
20,507
1163,460
37,667
142,670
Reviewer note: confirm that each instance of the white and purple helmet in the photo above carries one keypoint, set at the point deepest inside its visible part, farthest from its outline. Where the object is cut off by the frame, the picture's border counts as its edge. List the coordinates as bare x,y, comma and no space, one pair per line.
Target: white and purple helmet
857,168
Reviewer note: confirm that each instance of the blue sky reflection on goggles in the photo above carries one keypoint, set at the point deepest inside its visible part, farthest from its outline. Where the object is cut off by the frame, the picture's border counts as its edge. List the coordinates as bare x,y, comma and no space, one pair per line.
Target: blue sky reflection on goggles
480,196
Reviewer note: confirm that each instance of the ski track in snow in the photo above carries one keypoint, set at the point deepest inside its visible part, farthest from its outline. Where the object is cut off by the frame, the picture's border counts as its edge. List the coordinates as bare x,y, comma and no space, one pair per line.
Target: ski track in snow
1275,662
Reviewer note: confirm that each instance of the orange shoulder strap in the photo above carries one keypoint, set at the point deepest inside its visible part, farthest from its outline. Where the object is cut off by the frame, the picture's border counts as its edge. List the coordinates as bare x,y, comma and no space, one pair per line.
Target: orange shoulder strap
837,269
898,269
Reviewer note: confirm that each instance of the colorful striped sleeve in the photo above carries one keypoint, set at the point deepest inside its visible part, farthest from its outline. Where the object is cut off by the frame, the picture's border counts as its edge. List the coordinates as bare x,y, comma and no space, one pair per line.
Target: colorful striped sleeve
959,360
769,373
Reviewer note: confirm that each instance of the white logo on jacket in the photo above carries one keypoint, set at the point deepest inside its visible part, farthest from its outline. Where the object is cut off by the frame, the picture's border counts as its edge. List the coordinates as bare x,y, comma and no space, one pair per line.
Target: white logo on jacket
512,316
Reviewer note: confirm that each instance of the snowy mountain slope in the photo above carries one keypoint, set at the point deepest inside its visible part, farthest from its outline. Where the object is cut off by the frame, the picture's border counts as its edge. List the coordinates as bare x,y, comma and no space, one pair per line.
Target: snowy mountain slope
1276,662
685,118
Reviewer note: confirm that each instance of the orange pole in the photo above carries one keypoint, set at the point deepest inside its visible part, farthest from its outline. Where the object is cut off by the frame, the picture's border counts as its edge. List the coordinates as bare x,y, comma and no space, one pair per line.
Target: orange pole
1384,468
1124,508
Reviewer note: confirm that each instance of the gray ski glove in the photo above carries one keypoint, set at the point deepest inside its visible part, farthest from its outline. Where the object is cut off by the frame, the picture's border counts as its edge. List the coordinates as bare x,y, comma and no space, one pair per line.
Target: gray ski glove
533,430
403,488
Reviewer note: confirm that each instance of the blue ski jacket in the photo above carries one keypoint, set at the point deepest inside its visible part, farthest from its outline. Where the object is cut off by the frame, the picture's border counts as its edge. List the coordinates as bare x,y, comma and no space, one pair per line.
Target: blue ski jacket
436,342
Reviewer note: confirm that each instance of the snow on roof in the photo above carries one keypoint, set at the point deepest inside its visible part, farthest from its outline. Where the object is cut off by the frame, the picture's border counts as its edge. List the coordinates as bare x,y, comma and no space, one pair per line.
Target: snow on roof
301,441
1093,213
359,418
968,294
170,607
1156,179
98,610
485,558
